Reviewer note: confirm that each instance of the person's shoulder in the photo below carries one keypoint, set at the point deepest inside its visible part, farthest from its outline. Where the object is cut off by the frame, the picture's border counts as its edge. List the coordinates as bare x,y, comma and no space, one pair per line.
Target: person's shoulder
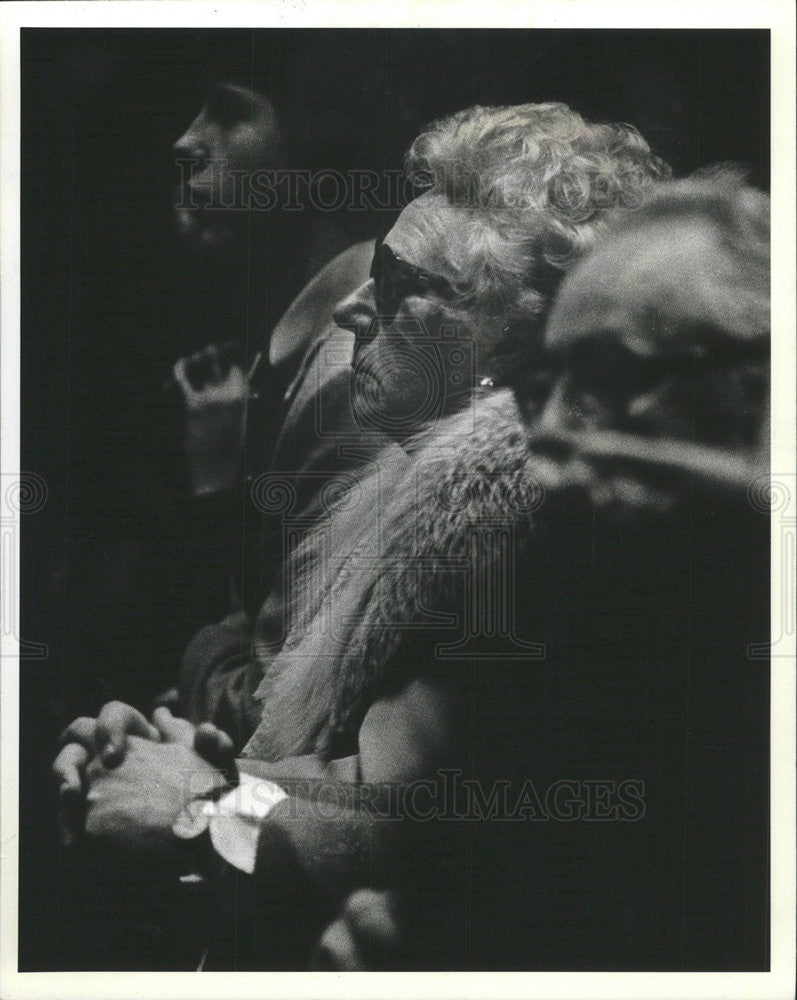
311,311
350,268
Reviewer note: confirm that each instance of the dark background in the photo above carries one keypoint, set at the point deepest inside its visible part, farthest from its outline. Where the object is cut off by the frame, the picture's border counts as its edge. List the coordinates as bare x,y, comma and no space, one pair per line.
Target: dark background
109,302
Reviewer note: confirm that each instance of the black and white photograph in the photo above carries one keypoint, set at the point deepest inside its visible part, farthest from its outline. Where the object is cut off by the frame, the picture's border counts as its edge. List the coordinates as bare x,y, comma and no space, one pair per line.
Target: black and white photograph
398,536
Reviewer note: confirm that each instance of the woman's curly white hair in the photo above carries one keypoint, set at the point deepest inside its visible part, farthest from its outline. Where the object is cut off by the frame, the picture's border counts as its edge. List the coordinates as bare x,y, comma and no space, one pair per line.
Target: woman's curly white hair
539,181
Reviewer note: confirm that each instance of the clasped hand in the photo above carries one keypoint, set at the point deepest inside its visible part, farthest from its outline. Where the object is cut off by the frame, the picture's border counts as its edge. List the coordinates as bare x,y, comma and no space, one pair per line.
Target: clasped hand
216,390
124,780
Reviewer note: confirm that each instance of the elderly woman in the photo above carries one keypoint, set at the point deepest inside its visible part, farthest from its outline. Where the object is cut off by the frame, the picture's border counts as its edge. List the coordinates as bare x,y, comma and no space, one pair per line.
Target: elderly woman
369,689
458,293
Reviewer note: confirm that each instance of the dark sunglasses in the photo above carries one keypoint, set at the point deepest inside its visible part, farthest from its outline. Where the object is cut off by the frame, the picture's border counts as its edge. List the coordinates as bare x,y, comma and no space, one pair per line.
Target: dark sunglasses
395,279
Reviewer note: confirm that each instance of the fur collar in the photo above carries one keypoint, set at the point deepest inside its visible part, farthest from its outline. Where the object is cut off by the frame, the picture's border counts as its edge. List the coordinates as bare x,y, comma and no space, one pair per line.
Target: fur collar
384,562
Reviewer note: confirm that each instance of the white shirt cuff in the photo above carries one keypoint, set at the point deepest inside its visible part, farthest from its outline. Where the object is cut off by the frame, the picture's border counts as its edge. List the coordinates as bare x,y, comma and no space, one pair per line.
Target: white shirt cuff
234,821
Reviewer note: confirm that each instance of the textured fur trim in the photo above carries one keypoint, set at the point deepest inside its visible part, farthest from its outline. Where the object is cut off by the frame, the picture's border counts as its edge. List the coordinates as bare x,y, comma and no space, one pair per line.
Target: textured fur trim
395,546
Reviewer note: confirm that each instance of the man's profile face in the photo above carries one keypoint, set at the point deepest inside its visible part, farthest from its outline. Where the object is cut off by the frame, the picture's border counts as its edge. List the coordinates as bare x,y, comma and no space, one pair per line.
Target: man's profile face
419,346
634,337
235,133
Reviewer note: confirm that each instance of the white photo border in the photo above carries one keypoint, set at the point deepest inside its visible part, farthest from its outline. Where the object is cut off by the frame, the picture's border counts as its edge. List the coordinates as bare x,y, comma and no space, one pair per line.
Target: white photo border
775,15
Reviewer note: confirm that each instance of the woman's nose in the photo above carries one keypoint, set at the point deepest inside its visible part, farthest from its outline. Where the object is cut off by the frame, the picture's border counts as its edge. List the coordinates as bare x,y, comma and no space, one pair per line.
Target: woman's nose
357,312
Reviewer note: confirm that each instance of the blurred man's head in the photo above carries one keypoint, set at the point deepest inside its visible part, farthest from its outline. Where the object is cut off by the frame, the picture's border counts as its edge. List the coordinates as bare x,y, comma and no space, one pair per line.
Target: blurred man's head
235,134
461,284
663,330
274,100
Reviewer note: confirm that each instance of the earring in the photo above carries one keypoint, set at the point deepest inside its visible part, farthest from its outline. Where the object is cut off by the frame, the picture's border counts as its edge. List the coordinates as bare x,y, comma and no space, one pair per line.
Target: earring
485,381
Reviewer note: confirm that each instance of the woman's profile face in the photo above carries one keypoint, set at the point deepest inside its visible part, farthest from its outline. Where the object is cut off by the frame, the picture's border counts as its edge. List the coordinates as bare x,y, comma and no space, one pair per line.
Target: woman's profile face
419,350
235,135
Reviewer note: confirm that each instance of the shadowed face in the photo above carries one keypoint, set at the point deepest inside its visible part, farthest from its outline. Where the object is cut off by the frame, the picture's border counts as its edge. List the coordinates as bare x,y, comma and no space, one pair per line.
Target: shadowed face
420,343
643,336
235,133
